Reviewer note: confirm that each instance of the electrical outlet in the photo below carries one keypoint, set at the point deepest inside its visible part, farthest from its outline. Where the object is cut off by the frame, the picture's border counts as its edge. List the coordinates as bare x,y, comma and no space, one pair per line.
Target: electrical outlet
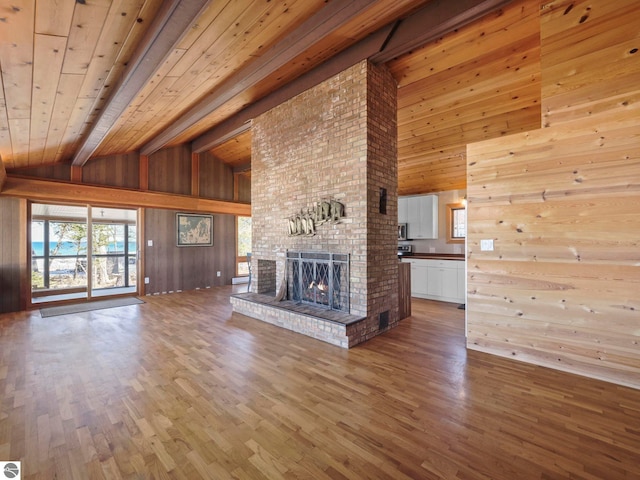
150,243
486,245
146,280
218,274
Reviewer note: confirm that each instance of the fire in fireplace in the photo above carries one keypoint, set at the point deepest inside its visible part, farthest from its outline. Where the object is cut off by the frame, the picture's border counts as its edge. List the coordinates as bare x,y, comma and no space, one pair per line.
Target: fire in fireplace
320,279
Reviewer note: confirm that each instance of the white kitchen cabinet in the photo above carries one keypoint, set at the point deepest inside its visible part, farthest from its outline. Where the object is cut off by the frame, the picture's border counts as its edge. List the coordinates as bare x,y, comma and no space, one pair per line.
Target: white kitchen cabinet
422,217
419,277
441,280
403,209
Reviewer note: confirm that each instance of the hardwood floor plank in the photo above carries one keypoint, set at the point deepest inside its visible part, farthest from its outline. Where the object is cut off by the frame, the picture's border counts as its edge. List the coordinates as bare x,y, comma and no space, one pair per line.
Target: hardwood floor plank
180,387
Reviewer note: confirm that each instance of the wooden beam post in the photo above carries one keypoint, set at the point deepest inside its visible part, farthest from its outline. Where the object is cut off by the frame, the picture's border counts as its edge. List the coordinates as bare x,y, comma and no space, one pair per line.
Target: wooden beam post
195,175
76,174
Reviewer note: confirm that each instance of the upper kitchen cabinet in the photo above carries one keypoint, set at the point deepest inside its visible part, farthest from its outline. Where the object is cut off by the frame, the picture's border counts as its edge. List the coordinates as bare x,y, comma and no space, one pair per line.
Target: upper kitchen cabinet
403,209
422,217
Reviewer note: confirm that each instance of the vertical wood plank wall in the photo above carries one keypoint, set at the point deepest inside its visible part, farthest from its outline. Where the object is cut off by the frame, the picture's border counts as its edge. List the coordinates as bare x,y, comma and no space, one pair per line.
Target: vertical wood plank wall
561,288
10,238
171,268
113,171
244,188
216,178
170,170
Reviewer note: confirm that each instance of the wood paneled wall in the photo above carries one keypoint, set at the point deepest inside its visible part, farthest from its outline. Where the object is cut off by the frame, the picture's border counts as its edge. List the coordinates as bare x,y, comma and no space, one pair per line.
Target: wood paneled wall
170,170
216,178
171,268
49,172
561,205
115,171
480,82
12,245
243,185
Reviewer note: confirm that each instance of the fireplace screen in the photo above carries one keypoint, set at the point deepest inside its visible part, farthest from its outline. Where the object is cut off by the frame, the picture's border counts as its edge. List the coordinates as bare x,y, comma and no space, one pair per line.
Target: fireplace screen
320,279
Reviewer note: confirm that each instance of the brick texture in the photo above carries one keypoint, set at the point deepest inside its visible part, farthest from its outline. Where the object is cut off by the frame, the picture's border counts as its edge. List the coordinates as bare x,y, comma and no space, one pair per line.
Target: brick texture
335,141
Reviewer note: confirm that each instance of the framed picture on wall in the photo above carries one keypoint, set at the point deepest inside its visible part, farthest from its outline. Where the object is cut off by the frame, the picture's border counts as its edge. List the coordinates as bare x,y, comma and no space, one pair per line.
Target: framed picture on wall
194,230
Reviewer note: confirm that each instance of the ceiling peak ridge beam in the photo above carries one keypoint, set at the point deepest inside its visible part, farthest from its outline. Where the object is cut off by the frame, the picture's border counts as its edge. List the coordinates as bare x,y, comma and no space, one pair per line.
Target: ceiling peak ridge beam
331,17
425,25
169,26
436,19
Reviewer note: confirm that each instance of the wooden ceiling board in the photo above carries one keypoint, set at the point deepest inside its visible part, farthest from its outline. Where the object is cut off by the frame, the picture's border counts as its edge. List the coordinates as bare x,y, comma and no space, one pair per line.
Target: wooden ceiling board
84,34
64,103
118,22
480,82
16,55
54,17
235,152
47,64
491,36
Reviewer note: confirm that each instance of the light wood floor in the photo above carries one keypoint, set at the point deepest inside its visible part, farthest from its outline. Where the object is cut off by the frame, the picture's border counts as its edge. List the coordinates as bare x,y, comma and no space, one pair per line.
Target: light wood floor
181,388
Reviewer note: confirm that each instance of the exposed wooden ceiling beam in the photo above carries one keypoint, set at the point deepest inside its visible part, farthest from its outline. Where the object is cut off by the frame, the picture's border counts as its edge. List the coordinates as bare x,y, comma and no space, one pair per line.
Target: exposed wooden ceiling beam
327,20
427,24
170,24
49,191
432,21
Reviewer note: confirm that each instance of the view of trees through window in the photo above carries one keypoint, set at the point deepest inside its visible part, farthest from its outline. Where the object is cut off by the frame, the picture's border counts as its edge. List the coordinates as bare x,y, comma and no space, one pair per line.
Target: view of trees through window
244,244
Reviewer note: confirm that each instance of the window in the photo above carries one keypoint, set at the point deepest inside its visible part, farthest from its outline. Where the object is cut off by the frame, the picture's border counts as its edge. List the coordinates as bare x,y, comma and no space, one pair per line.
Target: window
243,244
456,222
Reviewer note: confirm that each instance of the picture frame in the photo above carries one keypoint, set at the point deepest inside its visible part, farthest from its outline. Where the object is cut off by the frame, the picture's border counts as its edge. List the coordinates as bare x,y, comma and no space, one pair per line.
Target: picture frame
194,230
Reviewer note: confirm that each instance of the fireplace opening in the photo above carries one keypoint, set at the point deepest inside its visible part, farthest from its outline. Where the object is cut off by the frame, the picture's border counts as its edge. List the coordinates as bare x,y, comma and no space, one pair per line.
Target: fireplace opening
319,279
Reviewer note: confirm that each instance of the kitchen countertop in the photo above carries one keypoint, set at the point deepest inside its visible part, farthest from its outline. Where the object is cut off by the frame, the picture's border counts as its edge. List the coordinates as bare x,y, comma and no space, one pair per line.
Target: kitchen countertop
434,256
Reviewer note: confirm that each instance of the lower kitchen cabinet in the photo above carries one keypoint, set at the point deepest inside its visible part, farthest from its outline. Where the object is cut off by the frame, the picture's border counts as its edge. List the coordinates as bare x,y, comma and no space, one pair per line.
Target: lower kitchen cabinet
442,280
419,278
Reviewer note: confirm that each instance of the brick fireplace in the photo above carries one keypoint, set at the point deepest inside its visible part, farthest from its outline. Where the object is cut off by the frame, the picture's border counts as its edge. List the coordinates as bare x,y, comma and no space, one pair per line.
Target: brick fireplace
334,142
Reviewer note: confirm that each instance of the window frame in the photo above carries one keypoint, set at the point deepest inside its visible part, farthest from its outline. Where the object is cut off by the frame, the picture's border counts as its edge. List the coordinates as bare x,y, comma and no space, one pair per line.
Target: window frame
451,208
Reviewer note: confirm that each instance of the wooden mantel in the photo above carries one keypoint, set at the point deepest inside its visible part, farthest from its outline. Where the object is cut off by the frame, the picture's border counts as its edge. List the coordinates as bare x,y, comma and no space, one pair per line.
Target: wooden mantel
50,191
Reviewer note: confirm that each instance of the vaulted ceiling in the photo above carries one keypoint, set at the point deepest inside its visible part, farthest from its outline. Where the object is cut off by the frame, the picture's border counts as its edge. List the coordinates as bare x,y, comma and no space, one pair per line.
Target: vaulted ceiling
92,78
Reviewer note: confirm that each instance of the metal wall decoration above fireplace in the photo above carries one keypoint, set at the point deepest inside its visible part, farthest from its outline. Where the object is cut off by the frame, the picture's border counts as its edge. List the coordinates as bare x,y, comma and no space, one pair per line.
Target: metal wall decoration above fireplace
319,279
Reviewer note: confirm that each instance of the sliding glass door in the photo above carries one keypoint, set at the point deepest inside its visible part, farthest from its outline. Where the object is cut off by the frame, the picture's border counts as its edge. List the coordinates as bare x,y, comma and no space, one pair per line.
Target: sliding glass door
79,252
113,250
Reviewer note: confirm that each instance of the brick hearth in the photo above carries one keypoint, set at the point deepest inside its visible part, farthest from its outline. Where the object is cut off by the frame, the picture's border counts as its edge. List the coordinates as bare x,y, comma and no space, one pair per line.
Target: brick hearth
326,325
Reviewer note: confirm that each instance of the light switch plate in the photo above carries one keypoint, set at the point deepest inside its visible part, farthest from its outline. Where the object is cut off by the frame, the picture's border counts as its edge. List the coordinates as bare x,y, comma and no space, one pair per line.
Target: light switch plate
486,245
150,243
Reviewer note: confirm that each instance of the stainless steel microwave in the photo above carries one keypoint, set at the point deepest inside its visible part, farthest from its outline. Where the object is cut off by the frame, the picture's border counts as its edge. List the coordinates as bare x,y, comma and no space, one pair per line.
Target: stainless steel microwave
402,231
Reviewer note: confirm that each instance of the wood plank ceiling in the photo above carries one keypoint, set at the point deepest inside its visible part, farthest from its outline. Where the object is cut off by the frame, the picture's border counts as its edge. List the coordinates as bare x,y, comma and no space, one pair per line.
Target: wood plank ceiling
92,78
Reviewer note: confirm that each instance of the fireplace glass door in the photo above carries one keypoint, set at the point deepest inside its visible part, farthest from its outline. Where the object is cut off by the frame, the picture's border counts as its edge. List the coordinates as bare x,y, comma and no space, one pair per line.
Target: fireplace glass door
319,279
